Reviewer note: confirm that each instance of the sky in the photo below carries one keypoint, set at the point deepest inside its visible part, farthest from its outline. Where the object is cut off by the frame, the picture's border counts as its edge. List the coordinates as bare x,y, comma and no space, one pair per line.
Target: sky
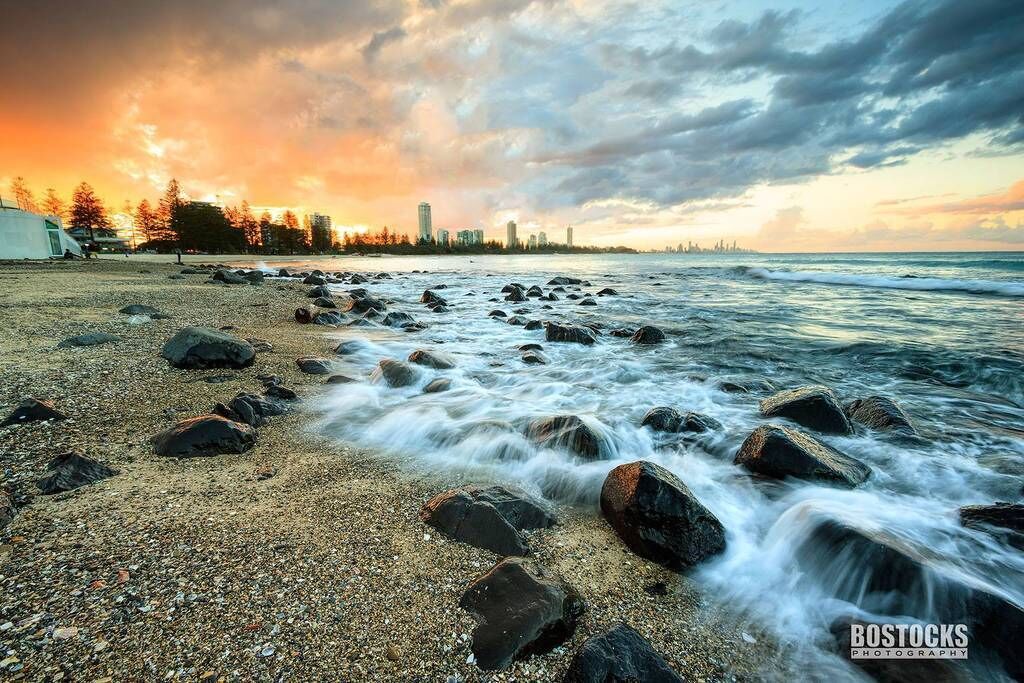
787,126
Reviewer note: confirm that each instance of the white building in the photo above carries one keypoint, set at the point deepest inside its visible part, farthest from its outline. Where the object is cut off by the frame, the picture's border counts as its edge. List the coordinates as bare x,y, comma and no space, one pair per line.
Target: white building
568,236
29,235
478,237
532,242
510,235
442,237
542,239
425,224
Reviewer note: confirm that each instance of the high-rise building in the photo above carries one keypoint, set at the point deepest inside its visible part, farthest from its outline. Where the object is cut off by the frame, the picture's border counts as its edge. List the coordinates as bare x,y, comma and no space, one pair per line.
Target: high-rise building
442,237
510,235
542,239
478,237
568,236
425,224
532,242
320,237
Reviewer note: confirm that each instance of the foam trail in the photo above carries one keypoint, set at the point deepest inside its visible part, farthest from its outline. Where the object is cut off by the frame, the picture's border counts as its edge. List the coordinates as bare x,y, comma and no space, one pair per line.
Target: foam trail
930,284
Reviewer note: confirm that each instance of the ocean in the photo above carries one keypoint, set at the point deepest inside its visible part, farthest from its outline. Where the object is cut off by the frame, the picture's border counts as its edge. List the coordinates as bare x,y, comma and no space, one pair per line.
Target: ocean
941,334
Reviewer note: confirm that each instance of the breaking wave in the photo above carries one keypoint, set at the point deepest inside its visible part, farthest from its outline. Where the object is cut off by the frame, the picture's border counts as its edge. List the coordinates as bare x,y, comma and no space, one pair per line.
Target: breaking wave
930,284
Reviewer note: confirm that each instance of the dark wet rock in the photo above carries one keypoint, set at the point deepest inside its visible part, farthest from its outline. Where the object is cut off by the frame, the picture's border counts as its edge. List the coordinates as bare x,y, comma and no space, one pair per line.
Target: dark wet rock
1003,520
569,333
516,295
564,280
521,509
747,386
534,291
574,297
88,339
204,435
282,392
358,279
251,409
588,301
139,309
365,304
254,277
550,296
260,345
430,297
478,523
531,347
534,358
431,359
324,302
436,386
497,313
533,325
397,319
176,277
328,318
814,407
440,286
340,379
885,575
622,332
607,291
666,419
517,320
314,280
658,517
228,277
349,347
567,432
779,452
315,366
620,655
358,293
880,413
32,410
394,373
304,315
284,272
318,292
511,287
204,347
521,610
648,334
71,470
192,271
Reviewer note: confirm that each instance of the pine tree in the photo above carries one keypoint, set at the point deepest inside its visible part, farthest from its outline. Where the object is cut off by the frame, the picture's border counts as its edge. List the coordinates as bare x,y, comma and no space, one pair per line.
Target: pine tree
87,210
53,205
250,228
170,212
147,221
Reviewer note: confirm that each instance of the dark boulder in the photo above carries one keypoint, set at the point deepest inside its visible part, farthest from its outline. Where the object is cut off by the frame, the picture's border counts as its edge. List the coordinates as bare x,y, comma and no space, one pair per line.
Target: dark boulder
648,334
254,277
814,407
139,309
550,296
437,385
521,610
511,287
340,379
397,319
250,409
516,320
779,452
88,339
431,359
607,291
315,366
328,318
533,325
564,280
204,435
622,332
658,517
430,297
534,358
203,347
394,373
365,304
880,413
588,301
518,507
498,313
666,419
567,432
1003,520
569,333
228,277
318,292
349,347
324,302
620,655
32,410
71,470
531,347
304,315
478,523
534,291
516,295
314,280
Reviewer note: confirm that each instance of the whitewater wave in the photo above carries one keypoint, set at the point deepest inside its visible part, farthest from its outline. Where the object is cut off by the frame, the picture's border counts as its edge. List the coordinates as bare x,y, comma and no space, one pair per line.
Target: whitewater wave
929,284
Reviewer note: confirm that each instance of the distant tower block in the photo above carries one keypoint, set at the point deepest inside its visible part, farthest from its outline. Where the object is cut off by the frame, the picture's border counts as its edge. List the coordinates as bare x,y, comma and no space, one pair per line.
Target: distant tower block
426,227
568,236
510,235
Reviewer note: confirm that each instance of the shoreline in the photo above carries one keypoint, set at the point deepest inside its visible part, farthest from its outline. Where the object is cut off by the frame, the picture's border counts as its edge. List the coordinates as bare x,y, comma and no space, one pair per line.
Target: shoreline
209,569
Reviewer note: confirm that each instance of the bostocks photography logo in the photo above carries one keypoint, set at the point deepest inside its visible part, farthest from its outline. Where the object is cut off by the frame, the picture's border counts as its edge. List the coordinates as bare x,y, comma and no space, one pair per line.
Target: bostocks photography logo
908,641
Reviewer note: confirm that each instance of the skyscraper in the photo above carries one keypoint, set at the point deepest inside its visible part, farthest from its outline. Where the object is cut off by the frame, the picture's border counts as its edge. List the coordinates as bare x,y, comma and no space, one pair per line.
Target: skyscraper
478,237
542,239
510,235
568,236
532,242
319,227
442,237
425,224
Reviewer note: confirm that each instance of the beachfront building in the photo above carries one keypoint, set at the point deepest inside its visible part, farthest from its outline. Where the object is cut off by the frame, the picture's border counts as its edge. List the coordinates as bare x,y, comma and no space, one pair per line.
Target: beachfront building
510,235
426,227
28,235
442,237
532,242
99,239
568,236
478,237
542,239
320,236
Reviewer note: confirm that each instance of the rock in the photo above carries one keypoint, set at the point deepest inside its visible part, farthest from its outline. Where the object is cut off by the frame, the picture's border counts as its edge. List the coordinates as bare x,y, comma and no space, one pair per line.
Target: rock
71,470
562,280
278,391
620,655
349,347
328,318
436,386
395,373
438,361
430,297
192,271
139,309
658,517
622,332
533,325
6,509
251,409
365,304
88,339
339,379
478,523
260,345
747,386
607,291
516,295
880,413
521,610
534,358
1003,520
32,410
397,319
203,347
815,407
568,432
569,333
648,334
550,296
204,435
531,347
587,301
883,574
175,276
779,452
318,292
665,419
324,302
574,297
315,366
516,320
228,277
304,315
314,280
253,277
534,291
497,313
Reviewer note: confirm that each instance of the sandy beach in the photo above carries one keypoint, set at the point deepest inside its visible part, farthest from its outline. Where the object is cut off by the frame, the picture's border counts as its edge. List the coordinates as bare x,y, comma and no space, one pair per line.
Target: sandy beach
297,560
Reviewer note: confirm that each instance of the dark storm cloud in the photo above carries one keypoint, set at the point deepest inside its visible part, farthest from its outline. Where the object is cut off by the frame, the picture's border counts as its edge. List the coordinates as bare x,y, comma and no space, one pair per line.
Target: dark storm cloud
924,74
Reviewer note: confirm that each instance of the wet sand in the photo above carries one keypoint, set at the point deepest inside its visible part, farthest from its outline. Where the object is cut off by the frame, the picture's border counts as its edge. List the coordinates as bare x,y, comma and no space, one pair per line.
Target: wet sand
299,560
